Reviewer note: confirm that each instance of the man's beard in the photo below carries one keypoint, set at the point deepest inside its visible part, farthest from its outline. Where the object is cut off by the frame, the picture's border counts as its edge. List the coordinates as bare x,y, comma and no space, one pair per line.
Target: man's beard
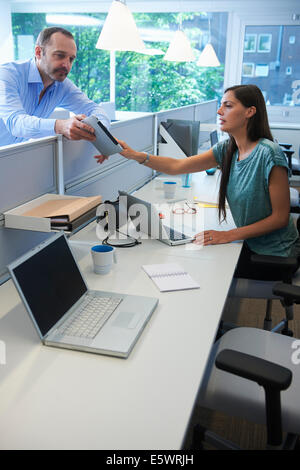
58,74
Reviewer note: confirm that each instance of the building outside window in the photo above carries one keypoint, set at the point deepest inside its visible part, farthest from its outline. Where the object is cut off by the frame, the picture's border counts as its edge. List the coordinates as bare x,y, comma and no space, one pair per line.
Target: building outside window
143,82
271,61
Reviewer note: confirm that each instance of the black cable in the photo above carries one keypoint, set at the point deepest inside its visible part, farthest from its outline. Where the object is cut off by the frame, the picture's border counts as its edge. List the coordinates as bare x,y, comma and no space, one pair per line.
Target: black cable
122,245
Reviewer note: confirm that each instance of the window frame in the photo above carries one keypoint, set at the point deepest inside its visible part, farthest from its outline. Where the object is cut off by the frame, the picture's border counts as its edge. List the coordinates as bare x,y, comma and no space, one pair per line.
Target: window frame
237,23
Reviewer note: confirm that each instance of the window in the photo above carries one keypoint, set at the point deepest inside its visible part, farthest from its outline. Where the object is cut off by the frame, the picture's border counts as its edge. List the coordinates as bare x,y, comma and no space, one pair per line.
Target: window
261,70
264,43
250,42
276,63
248,69
143,82
292,39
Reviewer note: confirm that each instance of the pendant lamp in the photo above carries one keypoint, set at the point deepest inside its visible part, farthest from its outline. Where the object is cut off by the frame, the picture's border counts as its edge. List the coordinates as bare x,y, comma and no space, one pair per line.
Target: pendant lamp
119,32
180,49
208,57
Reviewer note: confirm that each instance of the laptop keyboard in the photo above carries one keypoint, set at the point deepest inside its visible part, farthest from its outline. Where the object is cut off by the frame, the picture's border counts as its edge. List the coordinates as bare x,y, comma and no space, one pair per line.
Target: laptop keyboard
90,317
174,234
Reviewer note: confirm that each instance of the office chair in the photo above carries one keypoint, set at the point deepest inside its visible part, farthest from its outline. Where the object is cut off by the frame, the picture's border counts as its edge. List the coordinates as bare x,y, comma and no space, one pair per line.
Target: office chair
294,201
213,137
257,289
255,374
294,164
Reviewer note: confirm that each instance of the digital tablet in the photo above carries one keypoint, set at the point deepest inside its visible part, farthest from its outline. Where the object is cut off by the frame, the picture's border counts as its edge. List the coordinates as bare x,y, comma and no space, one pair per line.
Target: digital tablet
105,142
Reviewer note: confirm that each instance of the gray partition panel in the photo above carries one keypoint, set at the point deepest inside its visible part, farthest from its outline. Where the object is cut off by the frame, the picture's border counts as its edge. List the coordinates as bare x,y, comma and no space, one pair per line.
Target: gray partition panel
129,176
26,172
15,243
187,112
206,112
79,162
138,133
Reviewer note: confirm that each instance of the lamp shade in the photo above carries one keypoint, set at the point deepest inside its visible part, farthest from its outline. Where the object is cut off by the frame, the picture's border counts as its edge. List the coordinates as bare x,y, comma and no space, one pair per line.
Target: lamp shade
180,49
119,32
208,57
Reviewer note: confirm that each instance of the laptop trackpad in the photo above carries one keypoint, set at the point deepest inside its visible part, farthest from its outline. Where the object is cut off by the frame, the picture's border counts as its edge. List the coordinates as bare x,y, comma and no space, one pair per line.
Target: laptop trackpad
127,320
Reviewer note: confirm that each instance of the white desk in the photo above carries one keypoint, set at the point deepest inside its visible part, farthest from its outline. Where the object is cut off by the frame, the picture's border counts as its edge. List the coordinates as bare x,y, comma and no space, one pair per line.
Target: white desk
63,399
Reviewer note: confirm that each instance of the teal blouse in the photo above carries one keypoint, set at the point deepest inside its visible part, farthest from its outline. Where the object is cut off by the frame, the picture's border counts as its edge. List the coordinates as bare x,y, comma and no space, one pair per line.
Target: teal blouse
249,199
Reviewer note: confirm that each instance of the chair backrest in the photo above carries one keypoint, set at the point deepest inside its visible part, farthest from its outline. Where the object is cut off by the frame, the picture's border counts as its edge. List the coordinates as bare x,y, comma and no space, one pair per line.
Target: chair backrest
214,139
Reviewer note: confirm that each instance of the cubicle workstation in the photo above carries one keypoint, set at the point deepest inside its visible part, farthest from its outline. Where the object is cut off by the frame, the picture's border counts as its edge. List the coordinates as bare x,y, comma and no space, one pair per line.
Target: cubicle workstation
29,383
57,165
89,401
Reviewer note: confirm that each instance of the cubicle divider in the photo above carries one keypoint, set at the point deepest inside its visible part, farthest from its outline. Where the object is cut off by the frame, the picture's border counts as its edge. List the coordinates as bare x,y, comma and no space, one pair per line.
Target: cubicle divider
84,176
57,165
27,171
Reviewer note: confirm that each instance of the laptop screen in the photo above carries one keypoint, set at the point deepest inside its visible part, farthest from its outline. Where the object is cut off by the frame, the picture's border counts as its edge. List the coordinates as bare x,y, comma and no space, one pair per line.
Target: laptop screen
50,282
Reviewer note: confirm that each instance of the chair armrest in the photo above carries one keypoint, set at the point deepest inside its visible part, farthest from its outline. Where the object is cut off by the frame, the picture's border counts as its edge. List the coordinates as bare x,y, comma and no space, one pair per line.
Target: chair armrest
285,145
273,377
288,291
265,373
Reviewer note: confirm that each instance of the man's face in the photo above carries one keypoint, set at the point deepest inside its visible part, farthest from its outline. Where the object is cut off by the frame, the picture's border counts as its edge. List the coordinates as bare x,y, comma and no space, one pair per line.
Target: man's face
55,59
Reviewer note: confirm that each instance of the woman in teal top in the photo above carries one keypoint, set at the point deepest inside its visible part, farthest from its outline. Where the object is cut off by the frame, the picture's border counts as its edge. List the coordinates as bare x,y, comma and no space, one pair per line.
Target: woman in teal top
254,180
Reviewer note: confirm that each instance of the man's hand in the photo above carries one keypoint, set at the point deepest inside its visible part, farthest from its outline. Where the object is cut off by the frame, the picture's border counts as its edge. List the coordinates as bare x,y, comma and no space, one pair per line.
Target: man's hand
74,129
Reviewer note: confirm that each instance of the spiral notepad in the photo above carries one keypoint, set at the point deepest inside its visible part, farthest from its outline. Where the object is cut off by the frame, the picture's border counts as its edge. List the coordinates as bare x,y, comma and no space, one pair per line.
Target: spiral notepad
170,277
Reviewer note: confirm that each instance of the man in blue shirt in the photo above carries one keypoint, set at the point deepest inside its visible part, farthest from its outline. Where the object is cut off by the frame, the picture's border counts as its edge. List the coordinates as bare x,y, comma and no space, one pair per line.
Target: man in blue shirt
31,90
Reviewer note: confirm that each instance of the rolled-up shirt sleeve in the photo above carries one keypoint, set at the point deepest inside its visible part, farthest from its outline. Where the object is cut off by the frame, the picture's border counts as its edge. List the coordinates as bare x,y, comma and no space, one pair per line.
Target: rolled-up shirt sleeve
17,121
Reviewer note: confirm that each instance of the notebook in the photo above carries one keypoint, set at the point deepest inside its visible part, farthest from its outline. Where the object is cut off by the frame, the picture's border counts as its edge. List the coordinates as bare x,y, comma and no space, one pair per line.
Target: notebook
154,225
170,277
57,298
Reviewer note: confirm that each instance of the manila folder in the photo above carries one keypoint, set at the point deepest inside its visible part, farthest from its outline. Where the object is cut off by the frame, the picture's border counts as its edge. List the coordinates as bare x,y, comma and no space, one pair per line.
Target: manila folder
65,209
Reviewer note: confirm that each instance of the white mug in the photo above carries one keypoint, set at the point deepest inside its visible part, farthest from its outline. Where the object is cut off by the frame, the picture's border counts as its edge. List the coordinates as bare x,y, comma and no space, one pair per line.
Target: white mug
103,258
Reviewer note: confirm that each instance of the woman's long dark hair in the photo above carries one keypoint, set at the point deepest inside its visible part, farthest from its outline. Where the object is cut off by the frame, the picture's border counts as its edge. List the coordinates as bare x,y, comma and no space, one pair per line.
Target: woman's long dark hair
258,127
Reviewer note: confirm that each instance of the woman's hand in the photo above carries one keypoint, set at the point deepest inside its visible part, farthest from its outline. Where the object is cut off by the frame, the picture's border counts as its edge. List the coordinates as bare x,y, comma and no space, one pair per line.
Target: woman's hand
128,152
213,237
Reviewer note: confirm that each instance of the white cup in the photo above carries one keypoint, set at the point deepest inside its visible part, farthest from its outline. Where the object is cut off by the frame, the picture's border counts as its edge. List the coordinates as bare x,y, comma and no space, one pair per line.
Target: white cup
103,258
169,189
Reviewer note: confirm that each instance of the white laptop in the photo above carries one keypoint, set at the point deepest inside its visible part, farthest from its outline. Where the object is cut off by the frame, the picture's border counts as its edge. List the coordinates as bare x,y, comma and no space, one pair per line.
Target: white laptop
60,304
154,224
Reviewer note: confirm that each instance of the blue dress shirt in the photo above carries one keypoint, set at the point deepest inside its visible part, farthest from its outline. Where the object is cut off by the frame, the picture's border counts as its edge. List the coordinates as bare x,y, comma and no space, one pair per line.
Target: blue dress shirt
22,117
